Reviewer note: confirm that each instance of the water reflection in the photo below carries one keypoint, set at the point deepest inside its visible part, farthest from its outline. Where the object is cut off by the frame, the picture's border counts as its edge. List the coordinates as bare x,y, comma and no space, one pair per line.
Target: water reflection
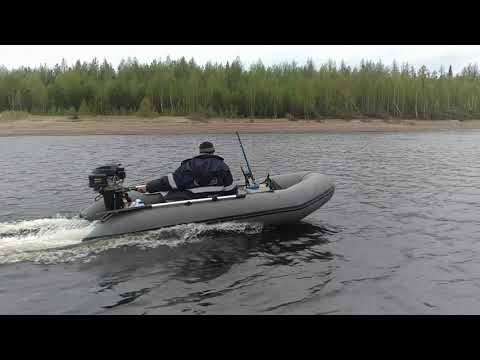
288,245
122,270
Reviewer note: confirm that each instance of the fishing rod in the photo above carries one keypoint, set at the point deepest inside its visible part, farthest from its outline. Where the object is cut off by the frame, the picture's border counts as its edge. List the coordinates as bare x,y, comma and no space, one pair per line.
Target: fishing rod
248,175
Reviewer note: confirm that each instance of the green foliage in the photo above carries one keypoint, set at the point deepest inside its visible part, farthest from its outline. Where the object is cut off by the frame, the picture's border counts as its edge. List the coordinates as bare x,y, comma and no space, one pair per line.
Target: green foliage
71,111
14,115
84,109
181,87
145,109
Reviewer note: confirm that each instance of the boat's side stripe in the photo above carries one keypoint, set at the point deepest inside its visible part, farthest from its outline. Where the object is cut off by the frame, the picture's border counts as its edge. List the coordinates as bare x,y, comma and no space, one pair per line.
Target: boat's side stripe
326,194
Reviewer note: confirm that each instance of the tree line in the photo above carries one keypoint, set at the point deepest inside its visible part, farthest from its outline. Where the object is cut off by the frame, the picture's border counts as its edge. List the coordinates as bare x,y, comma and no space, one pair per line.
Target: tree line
181,87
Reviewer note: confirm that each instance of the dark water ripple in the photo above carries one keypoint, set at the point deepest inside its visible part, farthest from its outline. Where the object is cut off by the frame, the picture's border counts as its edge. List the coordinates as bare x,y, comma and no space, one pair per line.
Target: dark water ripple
400,235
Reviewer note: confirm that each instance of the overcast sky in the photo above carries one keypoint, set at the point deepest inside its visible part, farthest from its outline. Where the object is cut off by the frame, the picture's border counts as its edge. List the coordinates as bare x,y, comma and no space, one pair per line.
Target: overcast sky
14,56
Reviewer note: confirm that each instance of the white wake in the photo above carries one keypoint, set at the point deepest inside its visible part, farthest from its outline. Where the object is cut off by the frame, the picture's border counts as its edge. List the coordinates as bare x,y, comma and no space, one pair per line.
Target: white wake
59,240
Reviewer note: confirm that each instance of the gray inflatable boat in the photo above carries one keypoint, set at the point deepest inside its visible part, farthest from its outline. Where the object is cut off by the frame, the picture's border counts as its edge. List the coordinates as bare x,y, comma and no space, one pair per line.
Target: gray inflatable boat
287,199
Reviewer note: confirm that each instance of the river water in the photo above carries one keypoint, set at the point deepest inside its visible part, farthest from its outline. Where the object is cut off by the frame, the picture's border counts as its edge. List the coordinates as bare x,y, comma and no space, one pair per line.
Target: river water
399,236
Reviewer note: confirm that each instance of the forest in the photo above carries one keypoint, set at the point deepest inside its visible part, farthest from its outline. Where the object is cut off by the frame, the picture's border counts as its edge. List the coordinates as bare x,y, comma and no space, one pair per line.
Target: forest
231,90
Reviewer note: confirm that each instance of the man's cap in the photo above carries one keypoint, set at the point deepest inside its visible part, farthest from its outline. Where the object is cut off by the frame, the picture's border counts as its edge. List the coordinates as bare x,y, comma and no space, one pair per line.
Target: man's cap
206,147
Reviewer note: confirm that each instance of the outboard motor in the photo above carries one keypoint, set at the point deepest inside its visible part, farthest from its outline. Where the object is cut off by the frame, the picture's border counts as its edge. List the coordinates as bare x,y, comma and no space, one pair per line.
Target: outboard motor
108,181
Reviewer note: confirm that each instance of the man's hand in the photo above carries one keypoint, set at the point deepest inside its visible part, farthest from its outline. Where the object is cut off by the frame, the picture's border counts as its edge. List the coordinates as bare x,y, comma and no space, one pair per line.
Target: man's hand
142,188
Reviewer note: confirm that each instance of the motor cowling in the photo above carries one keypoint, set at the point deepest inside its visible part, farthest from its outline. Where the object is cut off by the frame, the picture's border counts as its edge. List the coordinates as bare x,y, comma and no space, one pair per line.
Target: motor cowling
108,181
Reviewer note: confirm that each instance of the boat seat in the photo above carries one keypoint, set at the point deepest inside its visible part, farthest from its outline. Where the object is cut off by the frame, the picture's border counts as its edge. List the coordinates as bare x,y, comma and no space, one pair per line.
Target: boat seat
172,196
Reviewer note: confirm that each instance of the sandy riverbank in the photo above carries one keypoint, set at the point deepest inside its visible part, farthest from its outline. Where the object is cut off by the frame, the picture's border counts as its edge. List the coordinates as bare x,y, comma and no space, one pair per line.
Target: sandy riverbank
130,125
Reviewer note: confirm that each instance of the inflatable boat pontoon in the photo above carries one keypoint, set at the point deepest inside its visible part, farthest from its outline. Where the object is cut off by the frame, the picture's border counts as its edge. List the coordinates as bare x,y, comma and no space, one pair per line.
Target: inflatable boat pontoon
282,199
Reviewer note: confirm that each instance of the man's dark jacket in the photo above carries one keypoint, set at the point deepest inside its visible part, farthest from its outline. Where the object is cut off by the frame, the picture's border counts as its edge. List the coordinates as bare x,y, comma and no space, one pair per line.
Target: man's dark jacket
196,177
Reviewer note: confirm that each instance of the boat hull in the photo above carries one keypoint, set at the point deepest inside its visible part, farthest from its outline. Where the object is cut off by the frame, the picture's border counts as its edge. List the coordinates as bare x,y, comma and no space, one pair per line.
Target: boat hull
300,195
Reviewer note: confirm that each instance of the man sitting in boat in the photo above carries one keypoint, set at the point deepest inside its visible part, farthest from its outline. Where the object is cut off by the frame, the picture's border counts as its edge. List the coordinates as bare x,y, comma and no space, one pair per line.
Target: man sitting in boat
201,176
